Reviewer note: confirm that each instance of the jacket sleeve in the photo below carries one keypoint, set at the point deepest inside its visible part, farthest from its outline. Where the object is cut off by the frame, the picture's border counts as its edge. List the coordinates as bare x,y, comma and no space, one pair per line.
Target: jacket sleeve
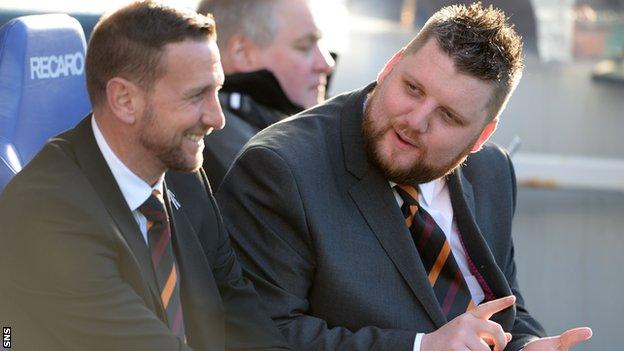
266,218
247,324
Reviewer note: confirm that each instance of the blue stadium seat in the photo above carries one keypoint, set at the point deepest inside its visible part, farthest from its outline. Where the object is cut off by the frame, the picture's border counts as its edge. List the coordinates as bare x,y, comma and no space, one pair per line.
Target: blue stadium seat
42,85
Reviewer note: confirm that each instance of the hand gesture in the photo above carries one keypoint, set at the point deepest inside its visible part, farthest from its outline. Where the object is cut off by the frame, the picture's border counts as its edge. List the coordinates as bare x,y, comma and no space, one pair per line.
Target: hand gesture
472,330
562,342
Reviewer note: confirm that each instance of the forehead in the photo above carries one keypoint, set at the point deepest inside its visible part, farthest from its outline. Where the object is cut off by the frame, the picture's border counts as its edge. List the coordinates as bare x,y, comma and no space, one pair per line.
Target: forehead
437,74
192,60
294,19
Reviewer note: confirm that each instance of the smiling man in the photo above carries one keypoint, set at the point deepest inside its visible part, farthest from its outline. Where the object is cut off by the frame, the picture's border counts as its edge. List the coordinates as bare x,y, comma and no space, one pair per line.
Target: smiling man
274,66
114,238
381,219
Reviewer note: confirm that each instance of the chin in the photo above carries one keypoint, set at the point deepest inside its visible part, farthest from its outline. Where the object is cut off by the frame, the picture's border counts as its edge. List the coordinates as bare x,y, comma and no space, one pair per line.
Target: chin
190,164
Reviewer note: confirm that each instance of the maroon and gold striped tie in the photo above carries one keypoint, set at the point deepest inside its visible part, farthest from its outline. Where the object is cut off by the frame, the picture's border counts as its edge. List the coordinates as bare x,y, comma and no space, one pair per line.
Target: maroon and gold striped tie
163,260
435,252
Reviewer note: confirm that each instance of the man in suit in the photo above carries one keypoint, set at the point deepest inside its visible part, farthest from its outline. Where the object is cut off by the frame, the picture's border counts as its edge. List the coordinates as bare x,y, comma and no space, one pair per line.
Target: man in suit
274,67
365,225
111,232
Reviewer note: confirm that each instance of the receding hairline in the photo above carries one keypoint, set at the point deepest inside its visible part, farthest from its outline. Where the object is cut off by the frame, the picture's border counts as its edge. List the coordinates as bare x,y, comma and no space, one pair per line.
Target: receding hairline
118,48
255,20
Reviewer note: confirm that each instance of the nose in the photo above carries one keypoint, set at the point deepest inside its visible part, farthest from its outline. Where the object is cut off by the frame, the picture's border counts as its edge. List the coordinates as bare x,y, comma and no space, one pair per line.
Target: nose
419,117
212,114
323,61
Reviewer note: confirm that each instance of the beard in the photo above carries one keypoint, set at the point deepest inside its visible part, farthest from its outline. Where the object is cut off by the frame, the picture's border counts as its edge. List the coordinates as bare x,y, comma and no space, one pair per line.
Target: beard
171,155
419,170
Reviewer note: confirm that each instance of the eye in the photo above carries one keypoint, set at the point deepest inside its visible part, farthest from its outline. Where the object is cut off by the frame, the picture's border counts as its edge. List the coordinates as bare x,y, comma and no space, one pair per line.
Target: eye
197,96
449,117
304,47
413,89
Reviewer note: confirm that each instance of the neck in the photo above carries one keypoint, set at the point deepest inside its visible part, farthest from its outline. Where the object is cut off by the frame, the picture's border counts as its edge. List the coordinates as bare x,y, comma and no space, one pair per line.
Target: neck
130,152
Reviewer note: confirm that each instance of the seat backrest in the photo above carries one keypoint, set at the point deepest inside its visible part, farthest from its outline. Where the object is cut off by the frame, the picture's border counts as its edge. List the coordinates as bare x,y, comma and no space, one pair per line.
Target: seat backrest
42,85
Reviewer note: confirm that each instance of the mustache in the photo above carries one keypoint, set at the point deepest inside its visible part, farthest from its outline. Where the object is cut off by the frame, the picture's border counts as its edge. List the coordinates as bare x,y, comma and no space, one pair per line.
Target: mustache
403,129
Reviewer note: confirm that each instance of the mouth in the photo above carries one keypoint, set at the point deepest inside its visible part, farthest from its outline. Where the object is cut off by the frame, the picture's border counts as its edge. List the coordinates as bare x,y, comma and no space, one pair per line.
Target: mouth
195,137
404,139
318,85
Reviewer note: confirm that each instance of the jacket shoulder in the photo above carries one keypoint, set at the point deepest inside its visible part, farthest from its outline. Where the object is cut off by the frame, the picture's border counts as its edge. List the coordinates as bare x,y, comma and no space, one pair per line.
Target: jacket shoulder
306,130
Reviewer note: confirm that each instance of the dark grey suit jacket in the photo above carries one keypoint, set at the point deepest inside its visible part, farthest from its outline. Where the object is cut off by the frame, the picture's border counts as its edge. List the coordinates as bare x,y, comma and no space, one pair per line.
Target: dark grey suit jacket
81,276
320,233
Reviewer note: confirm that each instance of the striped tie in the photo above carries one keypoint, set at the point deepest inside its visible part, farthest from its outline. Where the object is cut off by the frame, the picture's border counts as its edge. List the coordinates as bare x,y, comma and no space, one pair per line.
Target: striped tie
444,275
163,260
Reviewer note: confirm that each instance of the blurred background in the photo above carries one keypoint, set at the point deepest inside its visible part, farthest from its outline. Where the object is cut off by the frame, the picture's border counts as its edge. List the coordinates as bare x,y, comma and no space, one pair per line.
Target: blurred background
563,126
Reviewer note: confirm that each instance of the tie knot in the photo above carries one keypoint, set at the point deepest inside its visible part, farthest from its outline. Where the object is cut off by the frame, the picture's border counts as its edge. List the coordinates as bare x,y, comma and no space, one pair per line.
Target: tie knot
408,193
154,207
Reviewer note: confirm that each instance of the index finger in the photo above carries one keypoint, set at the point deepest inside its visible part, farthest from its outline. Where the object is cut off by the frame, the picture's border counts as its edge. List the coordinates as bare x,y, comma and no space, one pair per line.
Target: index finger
574,336
486,310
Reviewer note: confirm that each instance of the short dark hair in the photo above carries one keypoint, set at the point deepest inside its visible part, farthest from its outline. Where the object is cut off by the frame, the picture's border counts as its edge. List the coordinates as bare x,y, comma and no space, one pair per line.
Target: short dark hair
129,43
481,43
252,19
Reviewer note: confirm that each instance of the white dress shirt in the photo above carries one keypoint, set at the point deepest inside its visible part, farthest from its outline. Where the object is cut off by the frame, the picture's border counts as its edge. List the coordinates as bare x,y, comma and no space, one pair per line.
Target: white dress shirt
434,198
134,189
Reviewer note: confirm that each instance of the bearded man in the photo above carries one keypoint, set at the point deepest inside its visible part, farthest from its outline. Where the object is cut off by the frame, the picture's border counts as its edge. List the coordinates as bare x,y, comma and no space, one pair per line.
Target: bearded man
381,219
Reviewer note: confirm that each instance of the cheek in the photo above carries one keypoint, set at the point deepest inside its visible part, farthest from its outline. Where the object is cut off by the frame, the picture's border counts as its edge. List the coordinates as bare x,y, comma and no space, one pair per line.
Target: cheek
290,67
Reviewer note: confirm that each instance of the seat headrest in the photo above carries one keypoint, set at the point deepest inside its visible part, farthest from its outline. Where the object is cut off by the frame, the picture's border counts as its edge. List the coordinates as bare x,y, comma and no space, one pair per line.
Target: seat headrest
42,84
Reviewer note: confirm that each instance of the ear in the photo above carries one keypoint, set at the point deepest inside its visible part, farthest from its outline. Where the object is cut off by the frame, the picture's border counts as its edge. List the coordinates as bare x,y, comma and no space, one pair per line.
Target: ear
390,65
242,55
485,135
125,99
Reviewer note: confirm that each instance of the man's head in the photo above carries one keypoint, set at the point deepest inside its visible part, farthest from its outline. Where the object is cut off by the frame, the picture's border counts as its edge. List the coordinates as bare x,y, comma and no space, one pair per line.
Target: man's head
278,35
439,98
152,74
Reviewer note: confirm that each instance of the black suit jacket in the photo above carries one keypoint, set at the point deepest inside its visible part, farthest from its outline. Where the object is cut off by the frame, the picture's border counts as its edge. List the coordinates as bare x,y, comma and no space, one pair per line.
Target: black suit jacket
80,274
321,235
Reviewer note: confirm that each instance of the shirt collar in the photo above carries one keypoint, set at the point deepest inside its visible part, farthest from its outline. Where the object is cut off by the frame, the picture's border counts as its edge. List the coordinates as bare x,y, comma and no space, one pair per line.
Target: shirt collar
427,192
134,189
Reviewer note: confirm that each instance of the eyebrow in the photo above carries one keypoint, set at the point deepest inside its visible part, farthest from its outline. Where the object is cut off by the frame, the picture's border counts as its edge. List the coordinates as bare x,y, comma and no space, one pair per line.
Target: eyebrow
202,89
312,37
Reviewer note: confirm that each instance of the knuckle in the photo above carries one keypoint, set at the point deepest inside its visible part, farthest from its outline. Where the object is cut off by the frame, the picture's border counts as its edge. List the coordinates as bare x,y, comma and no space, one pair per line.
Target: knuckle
463,320
499,329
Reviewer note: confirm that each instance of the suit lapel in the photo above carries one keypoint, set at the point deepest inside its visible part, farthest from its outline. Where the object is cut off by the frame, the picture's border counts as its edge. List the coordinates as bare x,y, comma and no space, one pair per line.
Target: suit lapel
188,251
200,296
477,249
374,198
376,202
96,170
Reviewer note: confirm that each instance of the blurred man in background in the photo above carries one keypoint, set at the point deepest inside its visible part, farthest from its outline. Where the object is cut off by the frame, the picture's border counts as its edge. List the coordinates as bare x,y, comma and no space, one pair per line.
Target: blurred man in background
274,67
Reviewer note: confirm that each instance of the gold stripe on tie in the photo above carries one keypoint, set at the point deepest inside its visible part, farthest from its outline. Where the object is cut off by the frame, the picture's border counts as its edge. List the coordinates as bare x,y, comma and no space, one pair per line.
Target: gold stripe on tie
411,190
168,289
470,306
439,263
410,219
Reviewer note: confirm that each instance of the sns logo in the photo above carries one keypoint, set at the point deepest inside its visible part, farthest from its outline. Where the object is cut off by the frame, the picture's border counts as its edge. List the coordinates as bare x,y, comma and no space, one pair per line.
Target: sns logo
6,337
54,66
